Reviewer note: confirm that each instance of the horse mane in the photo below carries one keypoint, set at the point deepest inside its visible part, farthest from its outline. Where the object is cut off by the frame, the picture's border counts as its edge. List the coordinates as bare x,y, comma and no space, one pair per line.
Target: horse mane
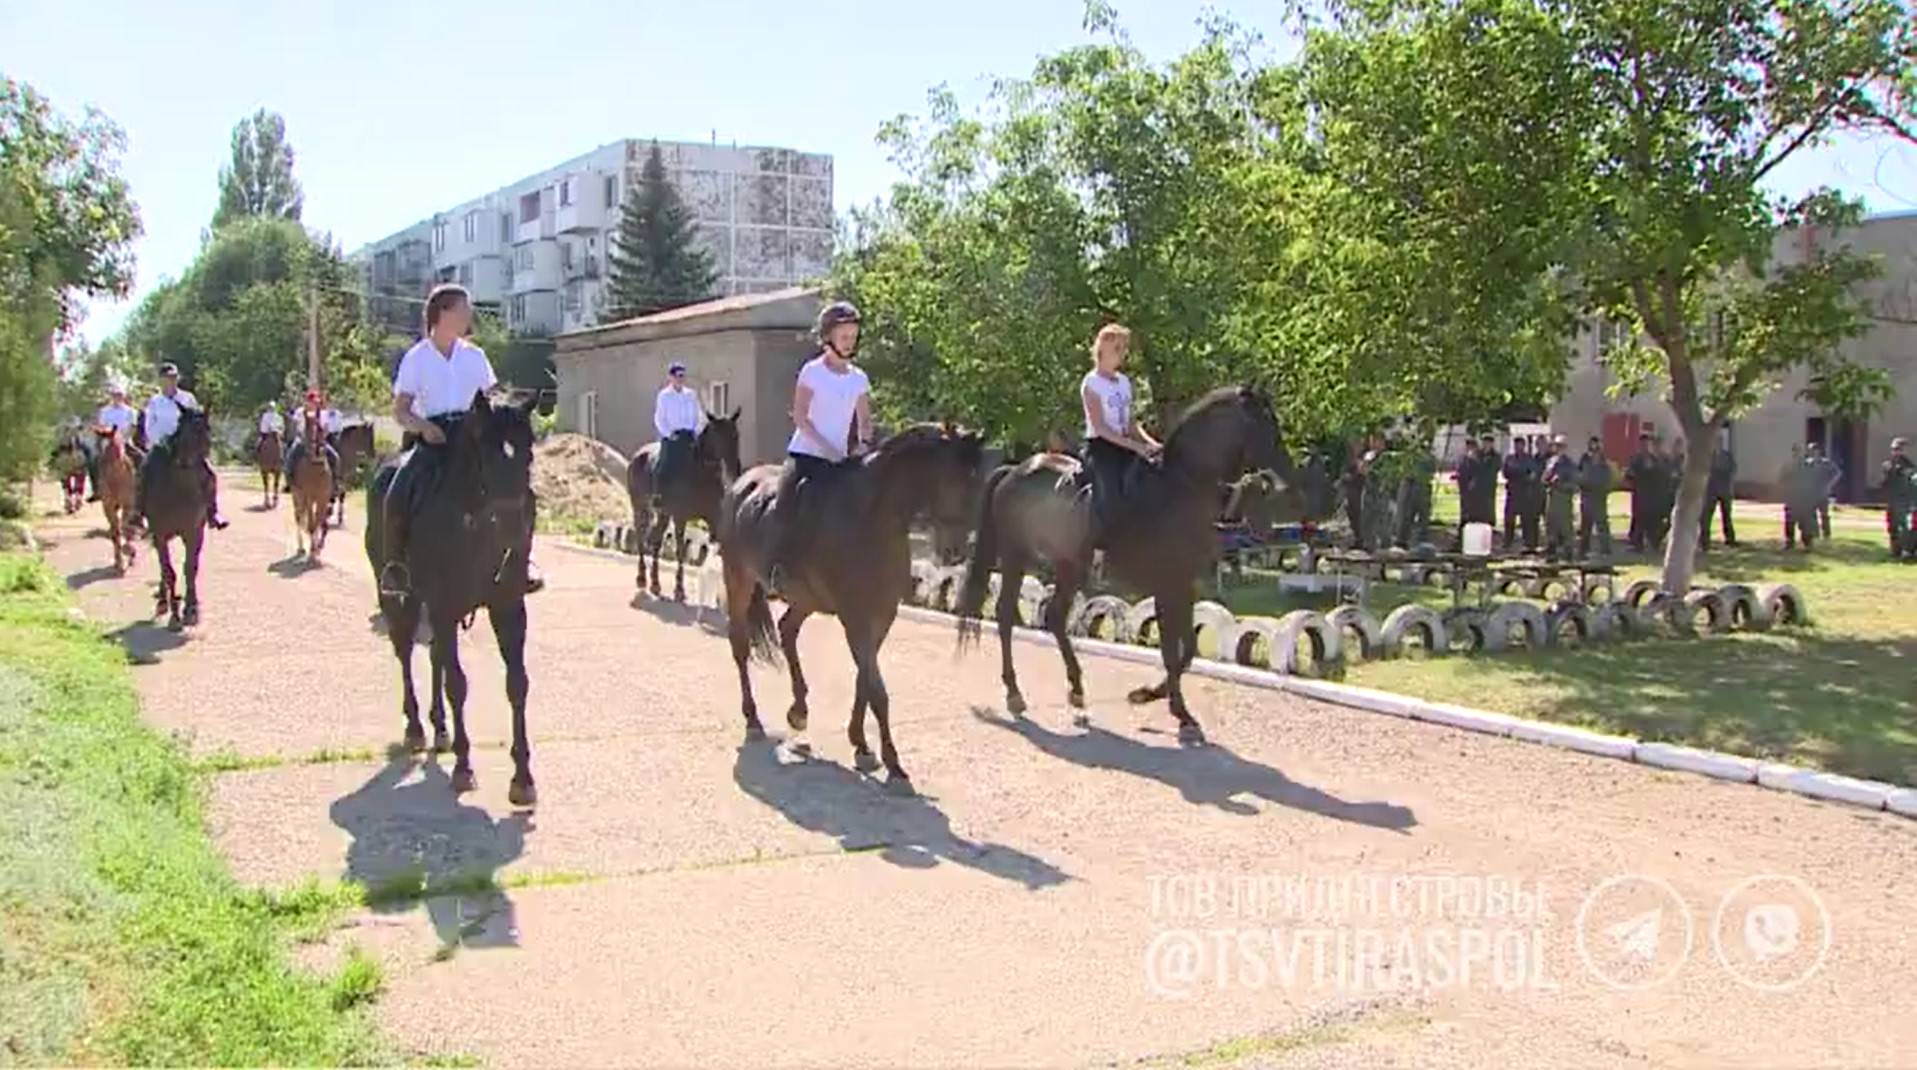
1214,399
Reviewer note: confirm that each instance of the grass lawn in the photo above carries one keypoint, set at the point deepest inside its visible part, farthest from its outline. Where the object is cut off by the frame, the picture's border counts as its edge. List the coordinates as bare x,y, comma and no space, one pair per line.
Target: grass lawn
123,939
1840,695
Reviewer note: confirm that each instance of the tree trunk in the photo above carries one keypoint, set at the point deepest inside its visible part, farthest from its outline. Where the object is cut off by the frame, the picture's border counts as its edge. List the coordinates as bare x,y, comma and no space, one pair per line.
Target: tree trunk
1680,551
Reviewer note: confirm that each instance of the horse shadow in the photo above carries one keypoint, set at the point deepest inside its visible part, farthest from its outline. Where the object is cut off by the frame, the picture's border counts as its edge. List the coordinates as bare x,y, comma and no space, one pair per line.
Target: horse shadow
292,568
681,614
422,636
907,831
413,841
91,576
1210,775
145,641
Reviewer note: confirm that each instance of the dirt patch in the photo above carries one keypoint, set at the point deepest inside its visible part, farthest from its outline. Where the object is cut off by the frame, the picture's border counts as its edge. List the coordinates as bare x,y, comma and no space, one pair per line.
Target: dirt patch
580,479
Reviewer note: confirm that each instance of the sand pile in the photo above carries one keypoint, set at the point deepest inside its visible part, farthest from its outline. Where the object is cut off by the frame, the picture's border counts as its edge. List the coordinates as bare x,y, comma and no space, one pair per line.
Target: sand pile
580,478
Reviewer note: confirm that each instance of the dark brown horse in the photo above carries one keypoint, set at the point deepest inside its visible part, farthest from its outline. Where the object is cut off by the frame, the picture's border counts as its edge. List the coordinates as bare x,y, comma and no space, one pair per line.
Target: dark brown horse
470,535
354,444
269,454
1161,540
175,507
856,564
311,480
690,490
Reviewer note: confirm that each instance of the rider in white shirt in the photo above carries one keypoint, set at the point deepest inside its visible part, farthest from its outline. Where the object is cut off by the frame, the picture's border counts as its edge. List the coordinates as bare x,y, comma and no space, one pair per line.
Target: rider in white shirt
314,406
120,416
1114,443
162,419
833,397
271,422
678,417
433,386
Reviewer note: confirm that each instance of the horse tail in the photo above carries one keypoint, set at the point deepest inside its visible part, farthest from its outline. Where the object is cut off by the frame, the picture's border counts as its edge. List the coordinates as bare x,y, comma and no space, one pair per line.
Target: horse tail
978,571
761,632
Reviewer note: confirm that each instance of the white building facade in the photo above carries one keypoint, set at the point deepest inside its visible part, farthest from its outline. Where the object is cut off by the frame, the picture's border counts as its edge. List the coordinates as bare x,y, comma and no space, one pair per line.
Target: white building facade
537,249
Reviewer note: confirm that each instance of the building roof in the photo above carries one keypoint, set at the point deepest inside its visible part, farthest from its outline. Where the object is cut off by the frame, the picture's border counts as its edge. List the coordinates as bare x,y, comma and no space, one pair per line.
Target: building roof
793,308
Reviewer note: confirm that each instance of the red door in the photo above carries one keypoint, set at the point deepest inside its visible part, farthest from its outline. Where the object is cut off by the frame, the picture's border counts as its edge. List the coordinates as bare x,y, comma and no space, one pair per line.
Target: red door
1620,435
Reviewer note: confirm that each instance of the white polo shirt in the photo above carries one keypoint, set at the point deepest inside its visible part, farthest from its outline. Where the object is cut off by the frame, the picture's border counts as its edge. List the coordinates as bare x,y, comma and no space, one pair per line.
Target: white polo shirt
1114,397
440,384
163,415
677,410
119,416
835,402
331,421
272,423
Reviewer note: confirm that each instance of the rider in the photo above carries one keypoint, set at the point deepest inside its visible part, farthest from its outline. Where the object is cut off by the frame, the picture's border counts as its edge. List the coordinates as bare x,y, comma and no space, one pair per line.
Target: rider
117,414
271,422
162,419
432,390
1114,443
678,417
314,408
833,396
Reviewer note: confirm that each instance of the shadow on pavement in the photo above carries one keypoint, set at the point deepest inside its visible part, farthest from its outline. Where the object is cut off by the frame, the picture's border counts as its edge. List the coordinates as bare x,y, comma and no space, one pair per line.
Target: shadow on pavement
707,619
92,576
292,568
857,811
145,641
413,841
1210,775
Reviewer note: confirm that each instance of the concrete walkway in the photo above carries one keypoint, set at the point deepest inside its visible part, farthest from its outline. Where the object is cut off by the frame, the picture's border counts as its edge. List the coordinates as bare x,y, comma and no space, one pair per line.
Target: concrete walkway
1056,895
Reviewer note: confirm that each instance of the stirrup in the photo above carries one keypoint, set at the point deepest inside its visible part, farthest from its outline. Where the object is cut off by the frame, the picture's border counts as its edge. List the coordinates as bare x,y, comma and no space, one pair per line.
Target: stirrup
395,581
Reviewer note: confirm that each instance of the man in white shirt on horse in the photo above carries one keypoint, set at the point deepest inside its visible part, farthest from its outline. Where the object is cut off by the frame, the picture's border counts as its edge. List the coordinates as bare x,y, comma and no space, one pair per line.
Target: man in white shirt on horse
162,419
678,417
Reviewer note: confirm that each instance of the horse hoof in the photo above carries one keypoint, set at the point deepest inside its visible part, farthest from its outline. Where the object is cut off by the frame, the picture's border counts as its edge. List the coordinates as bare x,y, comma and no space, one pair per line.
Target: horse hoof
415,740
191,616
797,717
522,794
464,781
442,743
1082,721
173,625
1190,734
1076,700
899,784
865,761
1015,704
1141,696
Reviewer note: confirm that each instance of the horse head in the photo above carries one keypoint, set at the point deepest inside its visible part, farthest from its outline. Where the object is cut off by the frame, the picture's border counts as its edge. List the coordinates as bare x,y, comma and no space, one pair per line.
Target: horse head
937,469
1230,431
498,436
719,444
193,440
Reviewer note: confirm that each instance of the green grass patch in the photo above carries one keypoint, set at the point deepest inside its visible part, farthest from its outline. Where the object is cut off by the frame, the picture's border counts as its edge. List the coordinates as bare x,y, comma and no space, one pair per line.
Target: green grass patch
124,939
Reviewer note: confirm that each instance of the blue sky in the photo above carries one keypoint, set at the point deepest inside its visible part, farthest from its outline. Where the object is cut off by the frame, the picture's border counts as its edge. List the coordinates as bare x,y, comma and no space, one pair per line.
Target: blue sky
396,110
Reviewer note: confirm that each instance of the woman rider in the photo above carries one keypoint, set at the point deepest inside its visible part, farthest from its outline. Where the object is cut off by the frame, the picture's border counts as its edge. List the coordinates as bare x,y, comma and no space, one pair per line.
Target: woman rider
831,397
1113,440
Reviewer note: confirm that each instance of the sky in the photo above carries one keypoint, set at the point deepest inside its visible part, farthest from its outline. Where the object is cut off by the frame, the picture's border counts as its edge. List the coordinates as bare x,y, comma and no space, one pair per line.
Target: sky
395,111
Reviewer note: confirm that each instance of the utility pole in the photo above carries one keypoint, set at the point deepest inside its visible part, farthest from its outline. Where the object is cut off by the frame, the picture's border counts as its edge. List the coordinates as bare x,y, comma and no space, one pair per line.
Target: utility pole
312,340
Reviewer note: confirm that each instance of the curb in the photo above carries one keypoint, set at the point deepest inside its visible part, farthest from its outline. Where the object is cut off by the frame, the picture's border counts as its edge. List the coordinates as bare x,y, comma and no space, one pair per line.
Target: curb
1809,783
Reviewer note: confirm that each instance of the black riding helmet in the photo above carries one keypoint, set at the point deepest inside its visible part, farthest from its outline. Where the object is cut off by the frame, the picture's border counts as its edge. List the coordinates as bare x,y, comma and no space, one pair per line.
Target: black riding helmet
834,314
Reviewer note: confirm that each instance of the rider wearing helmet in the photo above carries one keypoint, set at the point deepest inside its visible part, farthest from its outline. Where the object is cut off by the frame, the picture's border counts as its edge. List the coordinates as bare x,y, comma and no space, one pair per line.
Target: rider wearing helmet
832,399
316,409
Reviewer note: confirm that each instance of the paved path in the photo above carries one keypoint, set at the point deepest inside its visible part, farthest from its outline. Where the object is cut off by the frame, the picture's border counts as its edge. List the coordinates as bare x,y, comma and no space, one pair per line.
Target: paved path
680,898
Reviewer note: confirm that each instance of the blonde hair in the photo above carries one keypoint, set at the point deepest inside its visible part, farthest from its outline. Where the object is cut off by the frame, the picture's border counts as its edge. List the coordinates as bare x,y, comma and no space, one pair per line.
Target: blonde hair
1110,330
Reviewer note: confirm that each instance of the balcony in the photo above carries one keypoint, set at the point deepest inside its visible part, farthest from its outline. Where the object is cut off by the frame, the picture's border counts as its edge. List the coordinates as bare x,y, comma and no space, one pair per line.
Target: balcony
536,267
583,266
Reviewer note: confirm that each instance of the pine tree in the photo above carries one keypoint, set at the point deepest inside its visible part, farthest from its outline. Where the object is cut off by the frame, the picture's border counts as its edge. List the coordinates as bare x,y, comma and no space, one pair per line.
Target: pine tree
655,262
259,181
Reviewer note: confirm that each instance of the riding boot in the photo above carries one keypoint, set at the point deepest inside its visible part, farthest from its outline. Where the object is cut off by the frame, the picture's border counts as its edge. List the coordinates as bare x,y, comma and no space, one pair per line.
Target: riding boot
394,579
93,479
210,488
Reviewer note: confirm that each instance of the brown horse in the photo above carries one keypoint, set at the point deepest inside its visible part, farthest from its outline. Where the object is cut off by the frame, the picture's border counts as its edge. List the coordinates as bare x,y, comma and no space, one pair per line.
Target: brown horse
270,455
116,496
311,481
689,491
176,504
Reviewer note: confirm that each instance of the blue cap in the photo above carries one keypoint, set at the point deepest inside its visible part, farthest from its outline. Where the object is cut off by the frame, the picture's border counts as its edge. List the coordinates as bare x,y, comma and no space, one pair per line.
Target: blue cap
675,368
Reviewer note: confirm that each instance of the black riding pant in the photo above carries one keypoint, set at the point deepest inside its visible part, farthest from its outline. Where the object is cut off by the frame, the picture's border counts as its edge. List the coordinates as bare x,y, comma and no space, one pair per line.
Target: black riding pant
801,469
1112,466
418,472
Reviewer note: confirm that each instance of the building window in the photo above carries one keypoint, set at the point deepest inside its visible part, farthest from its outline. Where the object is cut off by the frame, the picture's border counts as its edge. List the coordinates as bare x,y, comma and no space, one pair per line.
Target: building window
529,207
573,294
612,191
565,255
439,237
565,193
466,274
472,227
519,309
505,226
447,274
523,258
719,397
589,414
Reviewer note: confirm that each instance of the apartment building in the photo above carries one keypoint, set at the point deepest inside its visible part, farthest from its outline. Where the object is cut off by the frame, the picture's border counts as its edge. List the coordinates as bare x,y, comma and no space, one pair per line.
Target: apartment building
536,249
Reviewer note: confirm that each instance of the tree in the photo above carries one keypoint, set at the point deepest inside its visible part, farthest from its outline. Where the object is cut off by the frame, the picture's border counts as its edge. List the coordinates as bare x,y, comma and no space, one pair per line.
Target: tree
259,181
66,230
656,262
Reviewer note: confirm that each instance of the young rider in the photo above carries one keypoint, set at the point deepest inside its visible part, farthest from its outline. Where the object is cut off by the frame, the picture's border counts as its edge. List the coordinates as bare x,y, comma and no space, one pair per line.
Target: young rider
117,414
1114,442
432,389
678,417
832,397
162,418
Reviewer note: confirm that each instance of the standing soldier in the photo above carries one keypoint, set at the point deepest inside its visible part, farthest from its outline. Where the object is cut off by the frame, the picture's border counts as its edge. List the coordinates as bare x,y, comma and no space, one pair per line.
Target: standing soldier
1478,484
1717,496
1518,472
1560,484
1594,498
1831,475
1900,498
1803,487
1642,472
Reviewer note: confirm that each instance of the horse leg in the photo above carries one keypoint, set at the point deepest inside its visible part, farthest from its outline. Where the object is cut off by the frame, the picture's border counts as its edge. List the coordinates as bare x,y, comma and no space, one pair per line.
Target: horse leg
441,741
656,539
509,628
789,624
864,638
641,523
739,590
402,624
194,539
1058,617
169,596
446,657
1011,576
679,555
1178,642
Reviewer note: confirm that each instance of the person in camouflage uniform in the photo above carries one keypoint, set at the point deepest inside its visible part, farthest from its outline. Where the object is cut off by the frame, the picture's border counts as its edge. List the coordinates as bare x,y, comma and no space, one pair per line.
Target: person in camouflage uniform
1520,474
1831,475
1641,471
1900,500
1560,489
1717,498
1803,485
1594,498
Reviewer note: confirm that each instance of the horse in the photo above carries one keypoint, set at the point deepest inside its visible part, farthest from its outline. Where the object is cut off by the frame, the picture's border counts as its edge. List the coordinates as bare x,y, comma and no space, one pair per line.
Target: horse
70,463
471,533
856,565
311,480
1162,539
354,442
270,455
691,491
116,475
175,506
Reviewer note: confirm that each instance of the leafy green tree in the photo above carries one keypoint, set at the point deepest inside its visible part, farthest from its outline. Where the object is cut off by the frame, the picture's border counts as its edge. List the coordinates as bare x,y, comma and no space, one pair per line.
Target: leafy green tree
656,262
66,229
258,181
